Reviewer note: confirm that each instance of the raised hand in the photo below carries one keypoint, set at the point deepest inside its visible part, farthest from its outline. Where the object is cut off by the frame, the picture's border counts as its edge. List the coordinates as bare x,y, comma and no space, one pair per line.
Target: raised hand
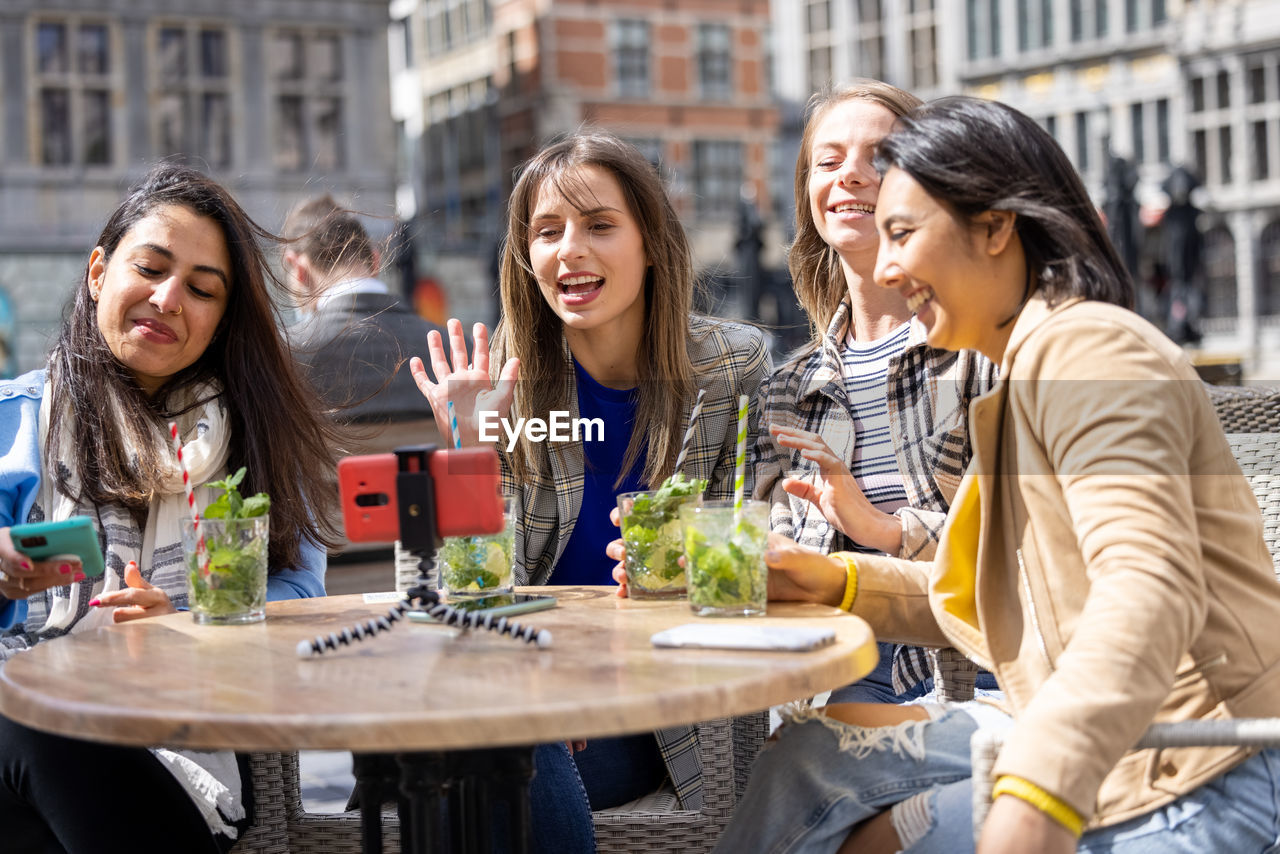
836,494
464,381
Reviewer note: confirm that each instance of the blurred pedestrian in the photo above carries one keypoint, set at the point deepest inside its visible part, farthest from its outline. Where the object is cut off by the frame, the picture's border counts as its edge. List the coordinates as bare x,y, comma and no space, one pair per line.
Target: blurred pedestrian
355,335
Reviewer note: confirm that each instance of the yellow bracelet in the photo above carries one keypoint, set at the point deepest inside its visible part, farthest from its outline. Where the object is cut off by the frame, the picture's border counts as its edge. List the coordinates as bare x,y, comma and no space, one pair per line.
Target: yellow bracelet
850,580
1055,808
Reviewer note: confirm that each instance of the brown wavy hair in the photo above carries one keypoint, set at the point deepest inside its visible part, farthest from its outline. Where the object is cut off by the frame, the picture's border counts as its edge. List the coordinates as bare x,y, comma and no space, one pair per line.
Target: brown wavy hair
815,268
277,431
531,331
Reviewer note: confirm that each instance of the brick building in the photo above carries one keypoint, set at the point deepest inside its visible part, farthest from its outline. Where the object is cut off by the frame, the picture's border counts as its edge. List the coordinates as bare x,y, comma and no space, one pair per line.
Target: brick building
480,87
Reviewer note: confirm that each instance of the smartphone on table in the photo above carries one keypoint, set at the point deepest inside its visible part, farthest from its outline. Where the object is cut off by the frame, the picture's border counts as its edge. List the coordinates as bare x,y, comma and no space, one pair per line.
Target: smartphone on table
468,494
505,605
74,536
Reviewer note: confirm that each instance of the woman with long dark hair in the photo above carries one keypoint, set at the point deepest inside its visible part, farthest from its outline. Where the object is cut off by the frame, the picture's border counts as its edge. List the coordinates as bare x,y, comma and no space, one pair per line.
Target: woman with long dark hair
173,322
1104,555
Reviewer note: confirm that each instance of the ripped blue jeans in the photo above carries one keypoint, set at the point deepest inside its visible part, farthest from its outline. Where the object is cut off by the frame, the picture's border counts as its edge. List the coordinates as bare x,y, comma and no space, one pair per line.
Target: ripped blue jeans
822,777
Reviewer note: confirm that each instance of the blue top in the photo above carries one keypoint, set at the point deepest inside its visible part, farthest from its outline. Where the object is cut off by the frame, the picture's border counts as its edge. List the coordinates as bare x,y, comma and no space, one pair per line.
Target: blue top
20,472
583,560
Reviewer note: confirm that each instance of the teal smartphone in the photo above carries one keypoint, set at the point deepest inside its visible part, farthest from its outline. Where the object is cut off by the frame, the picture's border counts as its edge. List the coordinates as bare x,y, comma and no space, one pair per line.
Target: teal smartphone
73,536
499,606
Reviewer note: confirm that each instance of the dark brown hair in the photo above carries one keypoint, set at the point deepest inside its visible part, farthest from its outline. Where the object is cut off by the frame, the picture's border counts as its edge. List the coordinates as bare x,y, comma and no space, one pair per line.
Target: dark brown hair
276,430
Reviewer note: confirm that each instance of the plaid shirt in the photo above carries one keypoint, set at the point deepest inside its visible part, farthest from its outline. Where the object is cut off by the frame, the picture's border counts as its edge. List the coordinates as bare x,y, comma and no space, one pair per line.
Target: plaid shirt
729,359
928,394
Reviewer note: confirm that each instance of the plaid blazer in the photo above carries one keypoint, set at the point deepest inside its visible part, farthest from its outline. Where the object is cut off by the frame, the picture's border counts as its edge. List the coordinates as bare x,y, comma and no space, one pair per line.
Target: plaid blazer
928,393
729,359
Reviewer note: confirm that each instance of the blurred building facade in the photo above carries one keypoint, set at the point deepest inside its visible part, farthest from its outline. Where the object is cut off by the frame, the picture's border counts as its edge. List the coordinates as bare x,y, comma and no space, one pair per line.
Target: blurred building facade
479,86
275,99
1159,83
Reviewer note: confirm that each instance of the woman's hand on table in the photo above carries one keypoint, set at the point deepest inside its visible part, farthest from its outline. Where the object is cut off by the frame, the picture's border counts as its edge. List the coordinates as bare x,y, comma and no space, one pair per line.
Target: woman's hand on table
465,382
804,575
836,494
139,599
617,549
21,576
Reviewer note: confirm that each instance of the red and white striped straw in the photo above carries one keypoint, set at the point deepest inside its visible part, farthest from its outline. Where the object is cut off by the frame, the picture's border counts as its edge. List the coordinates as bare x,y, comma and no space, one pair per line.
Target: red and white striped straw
191,500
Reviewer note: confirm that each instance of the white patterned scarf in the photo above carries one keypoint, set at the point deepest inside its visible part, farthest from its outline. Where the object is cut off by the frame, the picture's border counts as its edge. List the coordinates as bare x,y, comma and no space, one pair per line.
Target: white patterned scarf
211,778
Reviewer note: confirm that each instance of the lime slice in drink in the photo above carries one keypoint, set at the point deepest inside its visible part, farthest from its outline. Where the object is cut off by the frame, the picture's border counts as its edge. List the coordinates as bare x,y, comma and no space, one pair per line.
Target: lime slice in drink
496,561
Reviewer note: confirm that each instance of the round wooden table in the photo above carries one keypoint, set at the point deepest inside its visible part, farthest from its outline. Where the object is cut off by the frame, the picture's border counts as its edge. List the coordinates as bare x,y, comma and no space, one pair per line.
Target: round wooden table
169,682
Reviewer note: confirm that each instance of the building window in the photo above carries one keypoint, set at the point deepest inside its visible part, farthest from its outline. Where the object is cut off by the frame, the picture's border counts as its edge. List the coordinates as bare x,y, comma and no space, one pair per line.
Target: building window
191,94
1088,20
819,67
983,28
869,40
715,60
73,86
307,71
631,50
818,16
1269,281
1137,133
922,36
1220,273
1162,130
717,176
1082,142
1200,154
1256,84
1035,24
1259,162
651,148
1144,14
1224,155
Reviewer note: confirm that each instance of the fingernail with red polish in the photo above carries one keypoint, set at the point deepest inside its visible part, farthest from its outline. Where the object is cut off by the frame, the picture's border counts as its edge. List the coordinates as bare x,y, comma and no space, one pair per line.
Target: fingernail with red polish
80,576
93,603
65,569
25,565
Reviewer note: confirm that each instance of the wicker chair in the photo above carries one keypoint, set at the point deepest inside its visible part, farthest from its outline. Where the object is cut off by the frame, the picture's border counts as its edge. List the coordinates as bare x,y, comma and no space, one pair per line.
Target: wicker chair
1251,419
269,833
654,823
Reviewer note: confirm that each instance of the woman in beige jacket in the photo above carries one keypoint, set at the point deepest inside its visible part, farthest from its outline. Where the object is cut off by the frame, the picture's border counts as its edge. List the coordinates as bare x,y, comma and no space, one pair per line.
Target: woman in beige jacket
1104,556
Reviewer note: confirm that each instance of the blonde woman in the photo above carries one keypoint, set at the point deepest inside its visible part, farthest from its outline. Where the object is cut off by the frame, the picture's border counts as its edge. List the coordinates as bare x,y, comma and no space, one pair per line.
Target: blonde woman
873,419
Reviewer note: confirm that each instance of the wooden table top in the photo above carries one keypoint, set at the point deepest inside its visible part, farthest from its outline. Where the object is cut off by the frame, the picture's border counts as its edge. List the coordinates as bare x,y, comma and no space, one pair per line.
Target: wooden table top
166,681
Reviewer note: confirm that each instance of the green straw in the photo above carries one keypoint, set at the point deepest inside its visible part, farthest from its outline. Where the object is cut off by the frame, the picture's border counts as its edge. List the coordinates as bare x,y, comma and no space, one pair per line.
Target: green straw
740,461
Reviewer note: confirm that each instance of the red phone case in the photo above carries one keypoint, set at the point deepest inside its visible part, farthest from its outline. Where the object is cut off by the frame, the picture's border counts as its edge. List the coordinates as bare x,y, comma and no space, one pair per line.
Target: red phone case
467,487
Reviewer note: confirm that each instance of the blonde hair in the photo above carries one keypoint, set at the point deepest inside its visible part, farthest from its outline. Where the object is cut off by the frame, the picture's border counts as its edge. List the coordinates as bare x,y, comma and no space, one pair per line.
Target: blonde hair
532,332
815,268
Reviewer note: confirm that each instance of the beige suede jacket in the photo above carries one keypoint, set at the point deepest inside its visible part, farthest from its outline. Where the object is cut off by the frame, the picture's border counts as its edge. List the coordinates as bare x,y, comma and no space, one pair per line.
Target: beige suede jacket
1121,573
